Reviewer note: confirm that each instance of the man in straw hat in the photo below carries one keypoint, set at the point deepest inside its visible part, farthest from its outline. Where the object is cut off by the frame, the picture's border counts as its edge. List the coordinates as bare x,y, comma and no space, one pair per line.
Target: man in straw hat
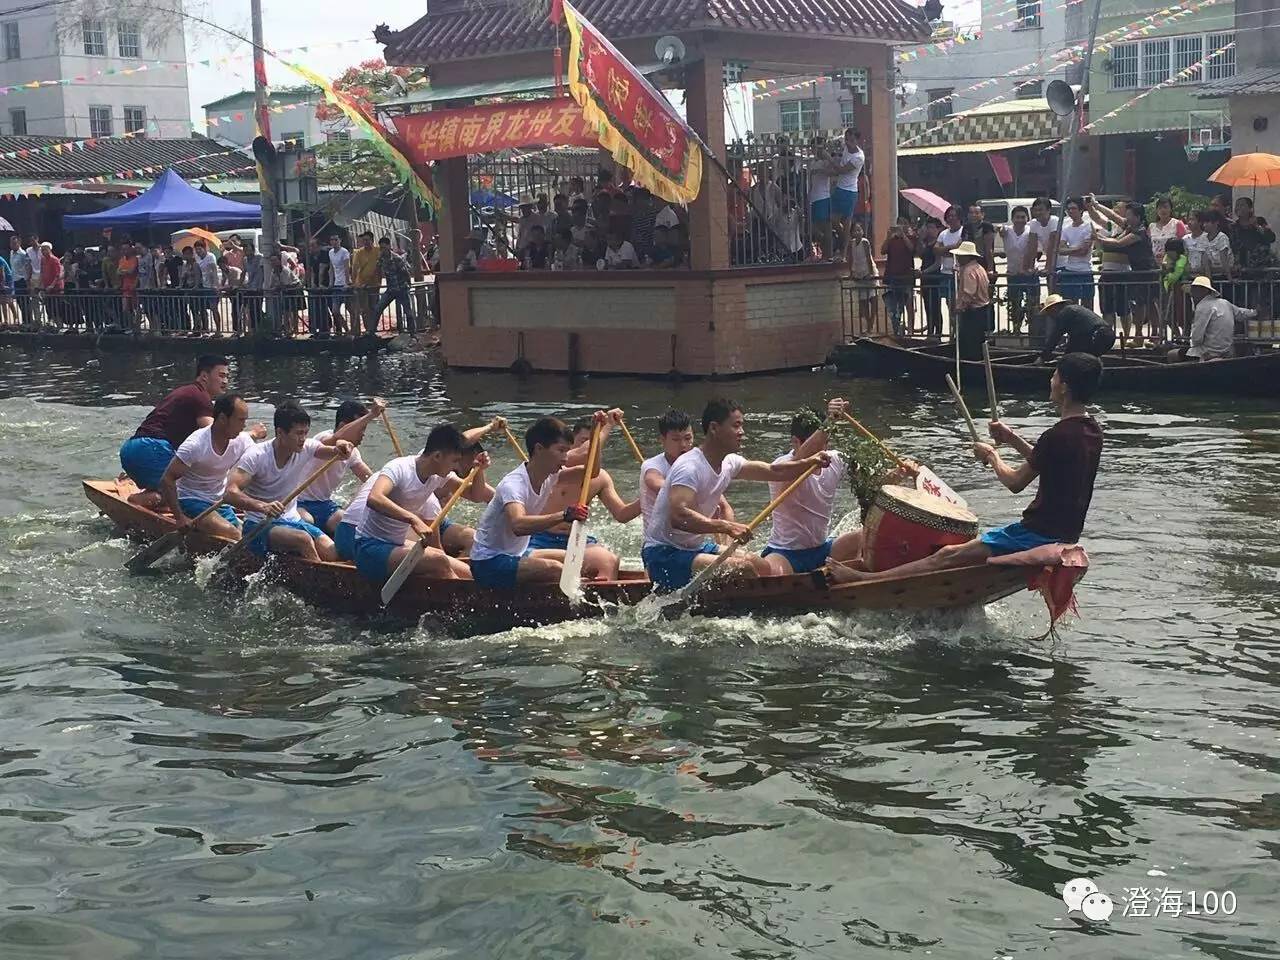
1213,326
973,300
1086,332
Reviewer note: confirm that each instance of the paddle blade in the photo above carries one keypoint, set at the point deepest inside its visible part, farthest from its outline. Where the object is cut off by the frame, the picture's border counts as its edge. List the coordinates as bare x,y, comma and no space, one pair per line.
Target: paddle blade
401,573
574,554
153,552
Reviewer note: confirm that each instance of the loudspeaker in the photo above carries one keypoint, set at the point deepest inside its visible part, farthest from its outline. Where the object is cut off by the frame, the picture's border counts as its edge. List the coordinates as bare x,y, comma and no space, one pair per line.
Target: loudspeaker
1062,99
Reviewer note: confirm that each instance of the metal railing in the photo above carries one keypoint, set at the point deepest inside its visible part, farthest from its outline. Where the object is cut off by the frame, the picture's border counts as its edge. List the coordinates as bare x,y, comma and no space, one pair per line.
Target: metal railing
282,312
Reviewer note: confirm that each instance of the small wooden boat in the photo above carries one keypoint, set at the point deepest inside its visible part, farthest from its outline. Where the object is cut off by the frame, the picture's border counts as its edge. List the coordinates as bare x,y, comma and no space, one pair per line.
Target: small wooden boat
460,607
1255,376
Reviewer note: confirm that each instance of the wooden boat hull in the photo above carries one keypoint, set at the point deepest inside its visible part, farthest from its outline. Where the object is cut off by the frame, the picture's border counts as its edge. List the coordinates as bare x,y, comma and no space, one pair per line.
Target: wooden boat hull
1256,376
461,607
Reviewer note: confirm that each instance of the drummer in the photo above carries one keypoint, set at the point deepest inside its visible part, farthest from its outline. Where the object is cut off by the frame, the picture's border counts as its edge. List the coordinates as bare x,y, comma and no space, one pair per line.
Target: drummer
1065,459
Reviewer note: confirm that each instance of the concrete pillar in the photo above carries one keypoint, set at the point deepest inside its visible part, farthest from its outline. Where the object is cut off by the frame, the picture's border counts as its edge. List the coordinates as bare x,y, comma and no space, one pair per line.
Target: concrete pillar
451,182
709,213
878,138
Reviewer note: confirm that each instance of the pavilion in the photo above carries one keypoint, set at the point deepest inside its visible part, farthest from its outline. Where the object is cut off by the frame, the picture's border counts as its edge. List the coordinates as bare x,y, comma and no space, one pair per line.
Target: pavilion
715,318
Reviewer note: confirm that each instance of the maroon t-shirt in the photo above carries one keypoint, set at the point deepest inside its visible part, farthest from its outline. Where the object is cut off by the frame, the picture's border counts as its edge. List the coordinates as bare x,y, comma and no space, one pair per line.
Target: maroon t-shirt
1066,458
174,417
900,258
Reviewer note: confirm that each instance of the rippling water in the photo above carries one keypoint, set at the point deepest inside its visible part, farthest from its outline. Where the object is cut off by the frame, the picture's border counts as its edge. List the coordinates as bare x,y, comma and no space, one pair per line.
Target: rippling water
187,775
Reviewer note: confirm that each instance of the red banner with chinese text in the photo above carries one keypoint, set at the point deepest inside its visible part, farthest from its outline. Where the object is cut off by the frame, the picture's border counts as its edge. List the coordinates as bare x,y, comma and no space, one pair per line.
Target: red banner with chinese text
635,122
469,130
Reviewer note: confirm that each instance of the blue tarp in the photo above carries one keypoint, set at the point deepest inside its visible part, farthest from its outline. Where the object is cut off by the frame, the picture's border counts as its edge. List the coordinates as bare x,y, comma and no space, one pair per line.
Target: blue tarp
170,200
487,198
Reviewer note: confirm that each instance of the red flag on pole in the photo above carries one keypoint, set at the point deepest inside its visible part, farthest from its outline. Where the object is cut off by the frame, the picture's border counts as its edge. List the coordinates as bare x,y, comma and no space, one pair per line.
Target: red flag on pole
1000,167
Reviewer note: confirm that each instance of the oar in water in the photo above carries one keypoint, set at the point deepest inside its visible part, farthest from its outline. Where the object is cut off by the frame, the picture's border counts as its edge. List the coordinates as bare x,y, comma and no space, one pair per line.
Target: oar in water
576,549
515,445
992,401
395,441
955,392
681,600
401,573
635,448
166,544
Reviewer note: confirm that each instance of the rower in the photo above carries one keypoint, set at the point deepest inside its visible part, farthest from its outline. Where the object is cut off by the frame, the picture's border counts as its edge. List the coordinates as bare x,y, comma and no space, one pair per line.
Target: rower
798,542
501,556
676,538
269,471
196,477
675,431
454,537
317,505
1065,458
1086,332
393,508
599,562
145,456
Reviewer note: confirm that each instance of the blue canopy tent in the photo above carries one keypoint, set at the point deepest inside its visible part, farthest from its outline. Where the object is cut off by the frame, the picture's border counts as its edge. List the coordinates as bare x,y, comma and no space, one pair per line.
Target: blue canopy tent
173,201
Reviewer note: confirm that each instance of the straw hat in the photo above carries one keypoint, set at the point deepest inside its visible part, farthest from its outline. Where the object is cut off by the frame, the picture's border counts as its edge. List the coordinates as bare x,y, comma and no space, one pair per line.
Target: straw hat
1052,301
1202,283
966,249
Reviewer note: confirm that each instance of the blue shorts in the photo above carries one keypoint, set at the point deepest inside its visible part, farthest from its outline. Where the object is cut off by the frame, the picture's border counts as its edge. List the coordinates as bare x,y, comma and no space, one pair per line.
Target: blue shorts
1076,286
803,561
1013,538
259,546
843,202
445,524
553,541
497,572
145,460
320,510
372,555
194,506
820,210
670,568
344,538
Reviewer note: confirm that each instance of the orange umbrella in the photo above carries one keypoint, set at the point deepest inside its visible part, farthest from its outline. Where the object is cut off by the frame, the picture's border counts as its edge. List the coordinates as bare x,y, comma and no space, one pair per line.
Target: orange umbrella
1249,170
191,234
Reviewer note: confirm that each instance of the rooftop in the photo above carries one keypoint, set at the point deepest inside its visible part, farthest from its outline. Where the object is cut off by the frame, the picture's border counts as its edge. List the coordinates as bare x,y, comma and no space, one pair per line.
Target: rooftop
462,29
277,95
71,160
1256,82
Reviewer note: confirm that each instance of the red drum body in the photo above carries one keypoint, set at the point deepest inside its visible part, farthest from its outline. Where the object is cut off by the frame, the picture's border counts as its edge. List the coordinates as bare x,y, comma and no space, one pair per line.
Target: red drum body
905,525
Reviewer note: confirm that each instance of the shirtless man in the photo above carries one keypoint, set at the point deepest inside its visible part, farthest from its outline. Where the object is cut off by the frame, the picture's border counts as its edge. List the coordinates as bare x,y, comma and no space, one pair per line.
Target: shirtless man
599,562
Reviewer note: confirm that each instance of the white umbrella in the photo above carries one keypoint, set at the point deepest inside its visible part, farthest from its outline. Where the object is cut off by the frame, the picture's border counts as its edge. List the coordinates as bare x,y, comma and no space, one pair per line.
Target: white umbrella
6,225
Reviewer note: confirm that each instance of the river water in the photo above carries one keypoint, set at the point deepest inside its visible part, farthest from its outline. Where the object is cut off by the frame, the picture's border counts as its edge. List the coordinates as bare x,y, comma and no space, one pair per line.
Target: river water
187,774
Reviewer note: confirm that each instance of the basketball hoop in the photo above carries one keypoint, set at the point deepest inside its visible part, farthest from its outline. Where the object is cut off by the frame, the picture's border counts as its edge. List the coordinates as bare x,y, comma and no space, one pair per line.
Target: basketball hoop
1193,151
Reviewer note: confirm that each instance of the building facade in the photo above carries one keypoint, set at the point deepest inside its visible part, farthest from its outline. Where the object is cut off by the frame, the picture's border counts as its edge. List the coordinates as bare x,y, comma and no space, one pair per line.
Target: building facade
52,42
293,116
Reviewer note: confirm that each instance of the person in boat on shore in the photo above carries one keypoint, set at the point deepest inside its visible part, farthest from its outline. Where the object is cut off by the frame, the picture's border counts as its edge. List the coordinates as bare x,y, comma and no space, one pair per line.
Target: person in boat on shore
677,540
1065,458
1213,325
317,505
272,470
196,477
145,456
394,505
599,562
798,541
1086,332
675,430
502,556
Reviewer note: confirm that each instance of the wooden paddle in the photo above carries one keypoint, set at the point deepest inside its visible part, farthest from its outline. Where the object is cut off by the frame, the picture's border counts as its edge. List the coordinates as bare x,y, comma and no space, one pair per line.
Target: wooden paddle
166,544
685,596
991,381
243,543
576,549
401,573
515,444
395,441
635,449
876,440
955,392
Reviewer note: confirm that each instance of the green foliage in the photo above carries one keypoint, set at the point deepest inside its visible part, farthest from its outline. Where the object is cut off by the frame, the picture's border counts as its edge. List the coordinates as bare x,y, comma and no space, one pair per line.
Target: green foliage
869,468
1184,203
353,165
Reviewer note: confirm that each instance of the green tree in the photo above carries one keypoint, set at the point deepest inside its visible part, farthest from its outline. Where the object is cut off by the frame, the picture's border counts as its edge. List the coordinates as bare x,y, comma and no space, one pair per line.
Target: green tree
346,159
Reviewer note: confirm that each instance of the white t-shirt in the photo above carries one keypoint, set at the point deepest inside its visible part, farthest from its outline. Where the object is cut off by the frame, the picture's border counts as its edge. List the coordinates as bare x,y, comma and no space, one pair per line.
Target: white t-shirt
34,258
209,275
801,521
1197,247
1217,253
694,471
340,263
493,533
1043,234
206,476
1171,230
354,512
330,480
271,482
819,185
667,217
1074,236
408,490
950,239
625,253
647,496
849,179
1015,250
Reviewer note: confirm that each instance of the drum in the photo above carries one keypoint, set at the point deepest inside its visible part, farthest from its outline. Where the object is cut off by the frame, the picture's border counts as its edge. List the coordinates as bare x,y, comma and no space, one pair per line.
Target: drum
905,525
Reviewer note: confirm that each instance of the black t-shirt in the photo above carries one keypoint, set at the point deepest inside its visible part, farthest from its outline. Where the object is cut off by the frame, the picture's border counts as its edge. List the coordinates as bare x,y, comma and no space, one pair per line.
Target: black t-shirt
173,267
1074,322
976,233
1066,457
320,267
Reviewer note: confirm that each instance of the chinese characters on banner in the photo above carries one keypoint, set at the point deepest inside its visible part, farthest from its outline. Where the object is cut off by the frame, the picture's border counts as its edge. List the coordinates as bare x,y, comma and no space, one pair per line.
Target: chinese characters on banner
637,124
468,130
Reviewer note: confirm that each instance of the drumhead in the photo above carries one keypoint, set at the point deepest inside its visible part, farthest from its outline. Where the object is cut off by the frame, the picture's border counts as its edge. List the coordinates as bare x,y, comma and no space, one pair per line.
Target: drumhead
925,509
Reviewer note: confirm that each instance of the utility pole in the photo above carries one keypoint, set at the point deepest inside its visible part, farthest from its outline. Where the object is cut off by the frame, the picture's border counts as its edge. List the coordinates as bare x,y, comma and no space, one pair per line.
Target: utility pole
266,188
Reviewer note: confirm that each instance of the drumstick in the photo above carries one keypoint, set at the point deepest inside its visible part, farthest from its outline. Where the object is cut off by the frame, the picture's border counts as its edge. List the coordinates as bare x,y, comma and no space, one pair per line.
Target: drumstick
955,392
991,381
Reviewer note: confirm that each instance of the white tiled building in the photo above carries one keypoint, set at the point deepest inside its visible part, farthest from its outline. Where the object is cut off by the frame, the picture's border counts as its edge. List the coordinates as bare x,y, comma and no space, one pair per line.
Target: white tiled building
52,42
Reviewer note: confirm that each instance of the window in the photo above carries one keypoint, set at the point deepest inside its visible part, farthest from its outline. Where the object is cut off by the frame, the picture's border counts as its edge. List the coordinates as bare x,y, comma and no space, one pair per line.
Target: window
1155,62
130,45
95,37
99,121
341,142
135,120
1186,52
299,139
1028,89
1147,63
1028,15
846,114
1223,65
940,100
18,121
1124,66
12,45
798,116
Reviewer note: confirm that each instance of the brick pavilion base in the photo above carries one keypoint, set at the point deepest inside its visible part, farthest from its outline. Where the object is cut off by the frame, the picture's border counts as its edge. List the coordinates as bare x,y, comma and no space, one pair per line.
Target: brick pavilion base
644,322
